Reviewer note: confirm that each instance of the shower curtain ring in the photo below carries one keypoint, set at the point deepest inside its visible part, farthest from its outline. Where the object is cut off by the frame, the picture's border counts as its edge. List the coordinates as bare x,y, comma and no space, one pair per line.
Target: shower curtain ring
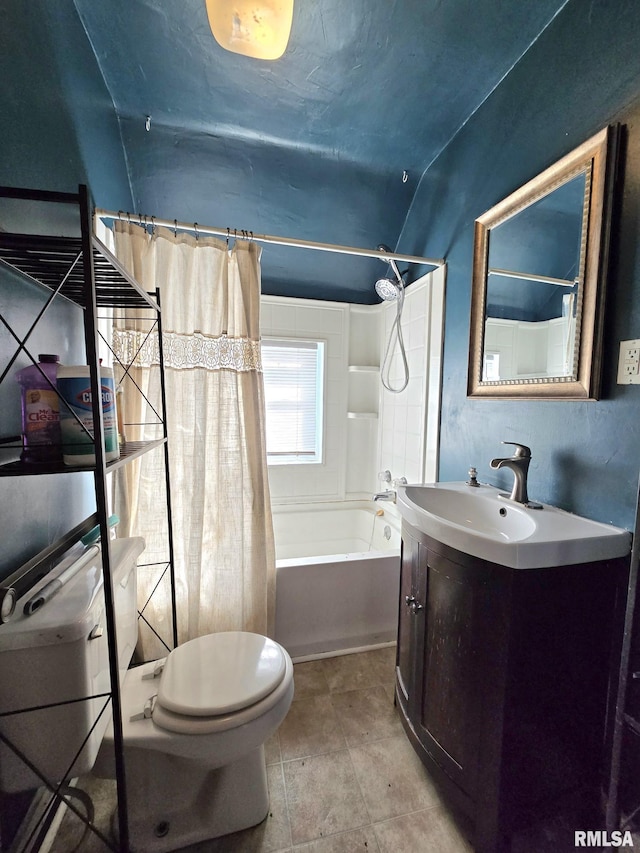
195,228
175,227
228,232
128,217
153,225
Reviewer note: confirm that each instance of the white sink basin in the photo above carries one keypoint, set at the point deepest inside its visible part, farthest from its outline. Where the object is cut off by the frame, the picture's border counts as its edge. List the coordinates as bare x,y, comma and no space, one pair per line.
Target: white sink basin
477,521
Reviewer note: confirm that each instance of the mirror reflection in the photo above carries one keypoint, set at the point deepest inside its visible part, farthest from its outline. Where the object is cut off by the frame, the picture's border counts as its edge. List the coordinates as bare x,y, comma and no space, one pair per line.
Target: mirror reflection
539,270
532,287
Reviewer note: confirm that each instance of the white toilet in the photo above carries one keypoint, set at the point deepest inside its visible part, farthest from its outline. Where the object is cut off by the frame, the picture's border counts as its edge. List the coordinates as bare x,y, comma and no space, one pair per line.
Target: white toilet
194,728
194,724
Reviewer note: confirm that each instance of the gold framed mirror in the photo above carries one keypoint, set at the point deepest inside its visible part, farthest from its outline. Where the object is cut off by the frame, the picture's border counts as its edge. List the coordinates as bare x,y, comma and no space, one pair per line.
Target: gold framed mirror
539,278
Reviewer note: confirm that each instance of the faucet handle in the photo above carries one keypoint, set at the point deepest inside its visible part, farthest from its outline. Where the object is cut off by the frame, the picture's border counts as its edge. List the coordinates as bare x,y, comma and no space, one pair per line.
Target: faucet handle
521,450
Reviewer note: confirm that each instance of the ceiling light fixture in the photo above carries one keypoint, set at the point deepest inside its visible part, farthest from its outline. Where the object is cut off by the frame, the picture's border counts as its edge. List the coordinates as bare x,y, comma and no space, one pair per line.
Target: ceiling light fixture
258,28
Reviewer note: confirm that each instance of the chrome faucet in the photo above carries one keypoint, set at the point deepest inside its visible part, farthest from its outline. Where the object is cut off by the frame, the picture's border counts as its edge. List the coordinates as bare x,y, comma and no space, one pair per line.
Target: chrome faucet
519,464
389,495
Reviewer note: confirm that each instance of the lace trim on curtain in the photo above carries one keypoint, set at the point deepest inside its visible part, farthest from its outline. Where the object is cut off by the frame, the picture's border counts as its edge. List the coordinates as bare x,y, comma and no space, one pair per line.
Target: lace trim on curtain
187,351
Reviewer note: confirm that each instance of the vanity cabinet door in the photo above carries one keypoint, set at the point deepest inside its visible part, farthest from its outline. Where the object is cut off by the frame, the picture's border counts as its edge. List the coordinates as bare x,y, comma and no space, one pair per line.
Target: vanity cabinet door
442,633
451,661
449,707
410,652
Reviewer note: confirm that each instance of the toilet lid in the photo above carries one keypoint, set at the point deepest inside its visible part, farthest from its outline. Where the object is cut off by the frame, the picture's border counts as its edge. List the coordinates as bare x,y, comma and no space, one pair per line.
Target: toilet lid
220,673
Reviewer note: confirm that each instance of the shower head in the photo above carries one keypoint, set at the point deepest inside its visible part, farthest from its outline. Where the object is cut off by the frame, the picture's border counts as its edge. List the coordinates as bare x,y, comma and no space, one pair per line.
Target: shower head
387,289
393,291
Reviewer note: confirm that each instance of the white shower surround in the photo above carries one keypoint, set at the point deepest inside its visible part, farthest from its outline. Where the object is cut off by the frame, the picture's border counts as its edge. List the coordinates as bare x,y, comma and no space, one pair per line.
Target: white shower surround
336,589
409,422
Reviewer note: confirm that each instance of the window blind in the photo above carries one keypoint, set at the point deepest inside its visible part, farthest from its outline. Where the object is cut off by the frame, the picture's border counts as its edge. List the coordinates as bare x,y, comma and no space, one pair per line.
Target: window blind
293,380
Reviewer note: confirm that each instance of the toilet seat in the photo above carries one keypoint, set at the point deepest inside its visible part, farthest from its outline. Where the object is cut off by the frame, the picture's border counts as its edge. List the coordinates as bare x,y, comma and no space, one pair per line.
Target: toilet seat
218,681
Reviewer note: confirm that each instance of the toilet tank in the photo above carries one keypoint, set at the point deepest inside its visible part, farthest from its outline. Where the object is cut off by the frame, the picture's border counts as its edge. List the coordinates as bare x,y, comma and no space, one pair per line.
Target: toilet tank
54,659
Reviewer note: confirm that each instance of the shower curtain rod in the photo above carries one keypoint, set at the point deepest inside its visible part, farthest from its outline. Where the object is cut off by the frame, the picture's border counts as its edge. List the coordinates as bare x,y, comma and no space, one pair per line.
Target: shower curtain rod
194,227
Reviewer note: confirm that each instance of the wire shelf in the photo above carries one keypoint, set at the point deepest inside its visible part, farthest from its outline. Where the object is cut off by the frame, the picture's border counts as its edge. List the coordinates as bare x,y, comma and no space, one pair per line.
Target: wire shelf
51,261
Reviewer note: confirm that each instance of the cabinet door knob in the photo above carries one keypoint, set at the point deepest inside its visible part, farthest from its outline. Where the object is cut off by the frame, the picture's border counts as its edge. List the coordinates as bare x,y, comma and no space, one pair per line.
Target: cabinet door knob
409,599
415,606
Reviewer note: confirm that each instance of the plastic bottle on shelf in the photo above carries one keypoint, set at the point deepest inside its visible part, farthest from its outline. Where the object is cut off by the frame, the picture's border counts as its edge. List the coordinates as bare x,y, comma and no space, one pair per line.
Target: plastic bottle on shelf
76,418
41,438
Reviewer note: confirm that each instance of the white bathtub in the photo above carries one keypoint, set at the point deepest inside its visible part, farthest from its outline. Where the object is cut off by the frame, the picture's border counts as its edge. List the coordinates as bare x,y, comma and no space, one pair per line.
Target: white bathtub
337,577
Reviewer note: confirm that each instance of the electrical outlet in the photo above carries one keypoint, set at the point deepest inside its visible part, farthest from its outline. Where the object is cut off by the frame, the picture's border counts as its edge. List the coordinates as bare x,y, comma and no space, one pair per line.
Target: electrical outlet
629,363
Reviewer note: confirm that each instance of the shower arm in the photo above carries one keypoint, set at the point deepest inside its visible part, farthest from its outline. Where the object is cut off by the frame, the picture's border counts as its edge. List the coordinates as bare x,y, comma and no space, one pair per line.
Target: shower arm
390,258
395,269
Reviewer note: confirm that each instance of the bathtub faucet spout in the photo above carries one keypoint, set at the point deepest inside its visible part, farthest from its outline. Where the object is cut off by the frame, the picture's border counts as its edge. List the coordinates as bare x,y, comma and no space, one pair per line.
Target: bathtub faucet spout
389,495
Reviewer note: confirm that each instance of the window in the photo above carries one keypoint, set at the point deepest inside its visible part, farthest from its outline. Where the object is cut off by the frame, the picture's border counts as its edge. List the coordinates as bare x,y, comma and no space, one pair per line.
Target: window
491,369
294,386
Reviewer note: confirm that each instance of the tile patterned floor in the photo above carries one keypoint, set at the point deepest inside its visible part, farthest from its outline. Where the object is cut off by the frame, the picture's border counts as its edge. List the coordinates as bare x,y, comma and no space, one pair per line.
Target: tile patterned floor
343,777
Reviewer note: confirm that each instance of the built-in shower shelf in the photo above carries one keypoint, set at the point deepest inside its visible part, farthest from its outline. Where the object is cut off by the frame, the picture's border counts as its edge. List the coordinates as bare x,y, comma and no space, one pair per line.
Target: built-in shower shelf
363,391
362,415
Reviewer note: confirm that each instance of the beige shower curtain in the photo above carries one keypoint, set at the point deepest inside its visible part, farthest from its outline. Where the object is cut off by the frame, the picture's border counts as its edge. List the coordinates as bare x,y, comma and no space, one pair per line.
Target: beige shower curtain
222,527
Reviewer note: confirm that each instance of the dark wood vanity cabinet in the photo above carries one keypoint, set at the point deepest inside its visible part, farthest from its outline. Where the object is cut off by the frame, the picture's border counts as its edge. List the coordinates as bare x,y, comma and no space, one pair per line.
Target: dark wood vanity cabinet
502,681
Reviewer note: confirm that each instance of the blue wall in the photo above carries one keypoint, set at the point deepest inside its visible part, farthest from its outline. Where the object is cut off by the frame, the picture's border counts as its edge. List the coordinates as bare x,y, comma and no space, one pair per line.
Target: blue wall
205,178
582,74
48,144
57,122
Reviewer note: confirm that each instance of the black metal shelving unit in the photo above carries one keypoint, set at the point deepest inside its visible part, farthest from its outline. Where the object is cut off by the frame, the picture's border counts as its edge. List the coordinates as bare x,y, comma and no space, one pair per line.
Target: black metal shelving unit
623,794
83,271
